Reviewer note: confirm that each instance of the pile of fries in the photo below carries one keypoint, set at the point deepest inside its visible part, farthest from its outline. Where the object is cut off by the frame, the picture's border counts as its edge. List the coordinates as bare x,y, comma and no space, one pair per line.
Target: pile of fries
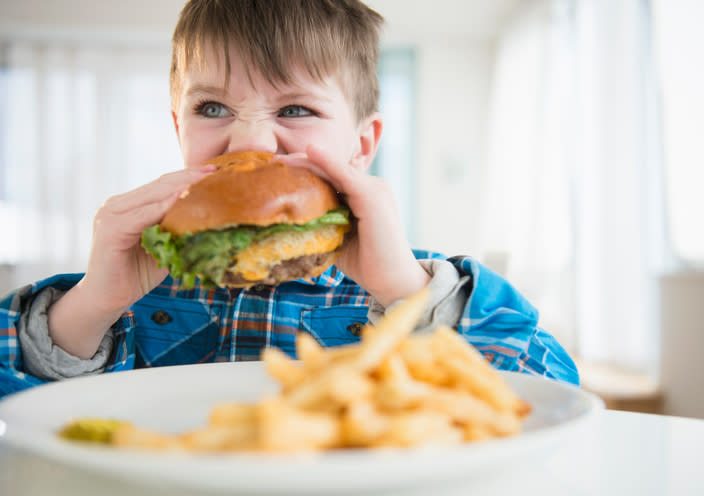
392,389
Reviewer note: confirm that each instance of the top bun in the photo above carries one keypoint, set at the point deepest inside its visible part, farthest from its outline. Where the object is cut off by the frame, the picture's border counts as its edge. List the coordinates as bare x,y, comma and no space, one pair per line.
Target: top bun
248,189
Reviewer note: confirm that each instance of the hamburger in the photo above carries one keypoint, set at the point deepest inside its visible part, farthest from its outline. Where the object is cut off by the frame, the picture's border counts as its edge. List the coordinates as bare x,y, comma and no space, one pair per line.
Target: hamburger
252,221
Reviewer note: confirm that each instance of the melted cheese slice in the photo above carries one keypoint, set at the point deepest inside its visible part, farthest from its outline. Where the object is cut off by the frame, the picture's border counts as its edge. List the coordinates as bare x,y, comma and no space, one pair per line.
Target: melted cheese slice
255,261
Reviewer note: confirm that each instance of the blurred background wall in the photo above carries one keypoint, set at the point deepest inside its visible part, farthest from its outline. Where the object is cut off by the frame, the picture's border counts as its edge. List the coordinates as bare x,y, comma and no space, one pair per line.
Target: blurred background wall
555,140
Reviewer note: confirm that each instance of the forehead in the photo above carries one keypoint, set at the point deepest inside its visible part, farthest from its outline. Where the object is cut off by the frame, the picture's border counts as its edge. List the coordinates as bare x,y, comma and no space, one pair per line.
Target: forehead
212,58
212,67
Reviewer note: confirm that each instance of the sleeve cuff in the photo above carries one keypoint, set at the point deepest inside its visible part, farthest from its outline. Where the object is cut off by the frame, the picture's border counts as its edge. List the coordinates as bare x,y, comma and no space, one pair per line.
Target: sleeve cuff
45,360
448,295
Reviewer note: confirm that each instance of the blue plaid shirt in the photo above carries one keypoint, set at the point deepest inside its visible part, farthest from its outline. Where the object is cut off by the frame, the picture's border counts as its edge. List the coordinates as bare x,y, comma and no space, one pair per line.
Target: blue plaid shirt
170,326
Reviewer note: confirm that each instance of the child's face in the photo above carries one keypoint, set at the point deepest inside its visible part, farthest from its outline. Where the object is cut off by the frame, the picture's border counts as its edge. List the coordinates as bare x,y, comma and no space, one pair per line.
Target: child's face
285,119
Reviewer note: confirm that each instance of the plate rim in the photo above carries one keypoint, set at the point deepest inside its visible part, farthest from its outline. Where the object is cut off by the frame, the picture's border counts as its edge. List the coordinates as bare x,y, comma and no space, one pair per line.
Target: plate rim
110,461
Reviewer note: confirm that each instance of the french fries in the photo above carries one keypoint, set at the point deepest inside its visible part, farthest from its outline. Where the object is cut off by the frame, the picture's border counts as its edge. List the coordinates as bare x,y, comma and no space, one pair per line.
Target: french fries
392,389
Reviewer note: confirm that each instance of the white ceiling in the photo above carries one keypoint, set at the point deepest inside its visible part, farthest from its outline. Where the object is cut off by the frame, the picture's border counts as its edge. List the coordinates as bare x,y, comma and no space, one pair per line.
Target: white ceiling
405,18
472,18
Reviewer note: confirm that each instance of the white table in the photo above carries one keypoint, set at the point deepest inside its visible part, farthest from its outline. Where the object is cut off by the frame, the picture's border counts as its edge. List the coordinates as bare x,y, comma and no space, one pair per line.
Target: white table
619,454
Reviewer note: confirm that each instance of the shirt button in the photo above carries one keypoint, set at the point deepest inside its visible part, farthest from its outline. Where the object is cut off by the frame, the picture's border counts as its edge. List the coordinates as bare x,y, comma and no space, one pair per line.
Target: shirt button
356,328
161,317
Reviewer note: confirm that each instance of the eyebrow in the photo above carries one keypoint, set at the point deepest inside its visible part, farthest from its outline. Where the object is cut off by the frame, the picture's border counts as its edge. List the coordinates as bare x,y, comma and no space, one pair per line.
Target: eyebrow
221,92
295,95
206,88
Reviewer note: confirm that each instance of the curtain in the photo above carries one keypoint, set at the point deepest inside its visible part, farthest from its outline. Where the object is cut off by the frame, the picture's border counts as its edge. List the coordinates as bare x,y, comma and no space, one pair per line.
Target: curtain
80,121
572,195
395,160
678,38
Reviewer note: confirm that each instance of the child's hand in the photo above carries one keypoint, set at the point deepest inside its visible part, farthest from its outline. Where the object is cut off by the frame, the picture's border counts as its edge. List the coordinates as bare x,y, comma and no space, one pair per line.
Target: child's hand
119,270
378,256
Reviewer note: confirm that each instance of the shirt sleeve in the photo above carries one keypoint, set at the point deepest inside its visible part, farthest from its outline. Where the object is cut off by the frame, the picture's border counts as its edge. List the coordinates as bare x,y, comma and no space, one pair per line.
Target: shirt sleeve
29,358
500,322
491,315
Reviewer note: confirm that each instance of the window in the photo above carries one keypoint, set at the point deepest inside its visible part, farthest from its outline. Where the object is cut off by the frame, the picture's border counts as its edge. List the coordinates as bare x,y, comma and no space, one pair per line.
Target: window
83,120
395,157
678,42
80,121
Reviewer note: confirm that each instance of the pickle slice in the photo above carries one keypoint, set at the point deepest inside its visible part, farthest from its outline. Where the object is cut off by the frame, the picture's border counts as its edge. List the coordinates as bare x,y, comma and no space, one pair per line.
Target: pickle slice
94,430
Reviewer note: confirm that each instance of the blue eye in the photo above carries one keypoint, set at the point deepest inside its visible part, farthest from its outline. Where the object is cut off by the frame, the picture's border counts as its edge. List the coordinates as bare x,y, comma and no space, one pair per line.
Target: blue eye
295,111
212,110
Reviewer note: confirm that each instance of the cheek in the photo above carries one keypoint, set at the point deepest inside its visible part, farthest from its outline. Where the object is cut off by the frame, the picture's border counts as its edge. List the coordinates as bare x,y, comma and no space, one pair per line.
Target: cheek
345,144
197,145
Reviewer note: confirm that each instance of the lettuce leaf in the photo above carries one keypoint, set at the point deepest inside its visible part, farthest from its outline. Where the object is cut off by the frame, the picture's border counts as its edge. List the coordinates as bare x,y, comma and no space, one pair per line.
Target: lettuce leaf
207,254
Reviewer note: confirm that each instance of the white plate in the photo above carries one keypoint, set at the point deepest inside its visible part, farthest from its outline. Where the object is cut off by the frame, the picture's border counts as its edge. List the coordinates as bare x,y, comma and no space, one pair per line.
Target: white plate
178,398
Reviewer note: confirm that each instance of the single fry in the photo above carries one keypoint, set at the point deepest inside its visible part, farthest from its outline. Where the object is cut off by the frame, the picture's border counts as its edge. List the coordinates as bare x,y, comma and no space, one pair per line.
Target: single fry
420,428
363,424
343,353
229,414
340,384
422,362
466,409
473,432
396,324
471,370
233,437
309,351
281,367
129,436
494,393
314,357
285,428
446,342
397,389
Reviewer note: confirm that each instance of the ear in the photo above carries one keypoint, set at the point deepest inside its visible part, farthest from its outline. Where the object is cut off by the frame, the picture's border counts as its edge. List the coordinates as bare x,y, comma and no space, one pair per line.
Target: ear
174,116
369,136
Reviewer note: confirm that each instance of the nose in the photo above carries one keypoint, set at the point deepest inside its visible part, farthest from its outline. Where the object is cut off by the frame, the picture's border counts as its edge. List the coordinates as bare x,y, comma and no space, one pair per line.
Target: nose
252,136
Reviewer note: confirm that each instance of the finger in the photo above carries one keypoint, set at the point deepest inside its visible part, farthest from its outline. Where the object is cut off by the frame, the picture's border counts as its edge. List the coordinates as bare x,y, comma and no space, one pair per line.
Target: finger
344,177
149,214
161,189
124,229
300,159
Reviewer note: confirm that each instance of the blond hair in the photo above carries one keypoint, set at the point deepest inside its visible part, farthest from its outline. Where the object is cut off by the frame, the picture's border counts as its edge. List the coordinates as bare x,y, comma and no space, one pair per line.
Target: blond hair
326,37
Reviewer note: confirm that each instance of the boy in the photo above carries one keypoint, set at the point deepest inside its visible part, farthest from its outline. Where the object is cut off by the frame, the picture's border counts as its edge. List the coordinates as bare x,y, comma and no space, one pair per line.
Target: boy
297,79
